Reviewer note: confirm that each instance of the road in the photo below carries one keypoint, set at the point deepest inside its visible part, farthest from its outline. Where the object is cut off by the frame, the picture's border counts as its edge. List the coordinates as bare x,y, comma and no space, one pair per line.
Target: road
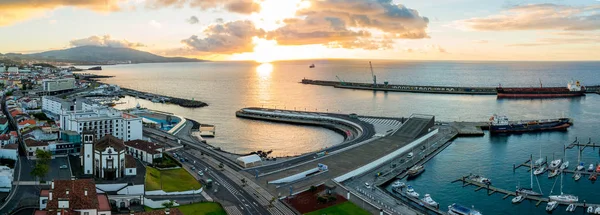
243,200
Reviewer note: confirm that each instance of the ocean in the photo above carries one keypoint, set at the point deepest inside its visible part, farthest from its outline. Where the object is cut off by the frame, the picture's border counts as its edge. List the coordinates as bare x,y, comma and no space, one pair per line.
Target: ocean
230,86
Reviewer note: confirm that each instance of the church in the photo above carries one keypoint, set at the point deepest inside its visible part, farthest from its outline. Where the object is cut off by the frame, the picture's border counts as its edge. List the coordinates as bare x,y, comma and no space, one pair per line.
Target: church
106,158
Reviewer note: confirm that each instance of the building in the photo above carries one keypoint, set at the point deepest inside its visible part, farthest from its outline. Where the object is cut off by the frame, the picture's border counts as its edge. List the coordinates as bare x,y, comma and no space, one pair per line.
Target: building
54,106
249,160
144,150
73,197
12,69
6,178
58,84
3,125
31,146
9,151
104,158
102,121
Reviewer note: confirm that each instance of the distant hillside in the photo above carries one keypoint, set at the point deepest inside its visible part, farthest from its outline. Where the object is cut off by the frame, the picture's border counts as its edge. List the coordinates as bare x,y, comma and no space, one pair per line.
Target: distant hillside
98,54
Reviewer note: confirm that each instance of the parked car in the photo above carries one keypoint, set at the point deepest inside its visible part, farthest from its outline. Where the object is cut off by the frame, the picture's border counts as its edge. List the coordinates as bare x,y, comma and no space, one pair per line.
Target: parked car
367,185
200,173
193,168
63,166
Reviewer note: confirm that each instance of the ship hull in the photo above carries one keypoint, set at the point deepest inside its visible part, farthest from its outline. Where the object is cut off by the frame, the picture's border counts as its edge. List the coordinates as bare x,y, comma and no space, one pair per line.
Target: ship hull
413,175
559,124
549,92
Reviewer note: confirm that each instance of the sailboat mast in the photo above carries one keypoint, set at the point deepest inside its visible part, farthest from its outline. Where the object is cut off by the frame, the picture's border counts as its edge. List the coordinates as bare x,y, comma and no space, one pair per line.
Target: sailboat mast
531,173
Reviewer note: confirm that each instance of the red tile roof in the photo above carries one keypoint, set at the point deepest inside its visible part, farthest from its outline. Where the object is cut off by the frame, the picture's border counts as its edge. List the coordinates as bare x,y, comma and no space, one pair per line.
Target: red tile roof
32,142
76,197
11,146
151,148
4,137
129,161
103,202
109,140
29,121
38,212
44,193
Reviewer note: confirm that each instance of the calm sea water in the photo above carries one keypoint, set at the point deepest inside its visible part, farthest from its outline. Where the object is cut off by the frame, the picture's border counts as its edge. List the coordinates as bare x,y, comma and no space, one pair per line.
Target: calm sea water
227,87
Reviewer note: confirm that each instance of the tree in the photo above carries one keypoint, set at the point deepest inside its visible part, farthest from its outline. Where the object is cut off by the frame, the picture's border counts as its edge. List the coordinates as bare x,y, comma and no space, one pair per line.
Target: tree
168,204
221,165
312,189
42,163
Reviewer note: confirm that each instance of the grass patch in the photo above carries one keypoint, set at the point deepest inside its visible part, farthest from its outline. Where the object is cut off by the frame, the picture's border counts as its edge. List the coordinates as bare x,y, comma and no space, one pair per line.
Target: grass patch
346,208
173,180
204,208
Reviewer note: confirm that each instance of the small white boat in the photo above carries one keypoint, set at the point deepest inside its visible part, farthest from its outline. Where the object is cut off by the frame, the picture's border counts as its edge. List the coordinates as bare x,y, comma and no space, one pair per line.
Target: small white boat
597,210
553,173
551,205
564,198
591,168
590,209
580,167
429,201
577,176
539,170
555,164
539,161
411,192
564,165
570,208
397,184
518,199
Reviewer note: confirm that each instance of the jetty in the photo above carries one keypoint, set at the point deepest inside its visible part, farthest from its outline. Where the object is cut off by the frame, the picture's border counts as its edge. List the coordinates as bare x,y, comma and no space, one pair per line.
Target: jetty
165,99
506,193
416,88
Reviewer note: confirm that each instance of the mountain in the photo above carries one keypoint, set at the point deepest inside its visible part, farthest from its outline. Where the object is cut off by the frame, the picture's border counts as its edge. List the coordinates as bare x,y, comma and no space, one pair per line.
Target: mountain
102,55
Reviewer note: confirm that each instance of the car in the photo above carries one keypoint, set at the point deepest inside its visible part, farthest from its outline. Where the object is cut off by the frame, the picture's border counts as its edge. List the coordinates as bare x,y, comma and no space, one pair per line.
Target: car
367,185
410,155
193,168
200,173
63,166
182,160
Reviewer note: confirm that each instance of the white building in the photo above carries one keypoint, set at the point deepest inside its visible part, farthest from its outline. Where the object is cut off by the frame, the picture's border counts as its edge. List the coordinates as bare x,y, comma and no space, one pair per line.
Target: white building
6,178
51,85
32,146
54,105
102,121
105,158
13,69
144,150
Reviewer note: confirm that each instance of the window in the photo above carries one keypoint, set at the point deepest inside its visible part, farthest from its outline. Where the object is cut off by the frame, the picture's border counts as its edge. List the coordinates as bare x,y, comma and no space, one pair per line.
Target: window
88,172
86,213
45,201
88,156
130,171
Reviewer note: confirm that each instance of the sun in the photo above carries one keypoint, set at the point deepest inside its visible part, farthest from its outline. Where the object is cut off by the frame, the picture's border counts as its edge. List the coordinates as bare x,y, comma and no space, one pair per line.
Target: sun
265,51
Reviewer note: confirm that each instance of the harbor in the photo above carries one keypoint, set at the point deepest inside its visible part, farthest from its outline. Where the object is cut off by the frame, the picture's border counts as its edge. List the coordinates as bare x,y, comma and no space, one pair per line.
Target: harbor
386,87
189,103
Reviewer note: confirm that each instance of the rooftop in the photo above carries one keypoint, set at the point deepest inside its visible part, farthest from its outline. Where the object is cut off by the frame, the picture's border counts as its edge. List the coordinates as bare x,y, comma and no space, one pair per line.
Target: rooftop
32,143
129,161
75,192
109,141
151,148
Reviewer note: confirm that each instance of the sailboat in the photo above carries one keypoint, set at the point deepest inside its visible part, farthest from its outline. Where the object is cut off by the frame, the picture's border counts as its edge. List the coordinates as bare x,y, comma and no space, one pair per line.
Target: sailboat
529,191
581,165
540,160
565,164
563,197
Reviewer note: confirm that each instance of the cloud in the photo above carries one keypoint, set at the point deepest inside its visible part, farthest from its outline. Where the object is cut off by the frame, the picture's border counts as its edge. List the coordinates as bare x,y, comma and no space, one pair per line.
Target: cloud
538,17
435,48
237,6
481,41
226,38
583,39
19,10
52,22
155,24
348,24
105,41
193,20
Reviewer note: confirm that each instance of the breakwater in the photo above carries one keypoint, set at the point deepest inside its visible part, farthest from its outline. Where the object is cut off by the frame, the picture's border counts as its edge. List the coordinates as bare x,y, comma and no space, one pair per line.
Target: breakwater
164,99
417,88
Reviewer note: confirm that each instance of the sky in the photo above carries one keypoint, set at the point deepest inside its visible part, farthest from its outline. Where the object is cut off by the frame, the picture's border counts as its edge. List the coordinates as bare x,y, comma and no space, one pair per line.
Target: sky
271,30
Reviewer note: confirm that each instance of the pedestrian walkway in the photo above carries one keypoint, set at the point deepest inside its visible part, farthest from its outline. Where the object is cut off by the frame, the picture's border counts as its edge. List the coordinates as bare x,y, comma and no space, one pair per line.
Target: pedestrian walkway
232,210
382,126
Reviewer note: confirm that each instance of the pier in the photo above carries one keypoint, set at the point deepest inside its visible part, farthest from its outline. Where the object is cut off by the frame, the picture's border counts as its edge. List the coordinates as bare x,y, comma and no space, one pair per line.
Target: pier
506,193
417,88
167,99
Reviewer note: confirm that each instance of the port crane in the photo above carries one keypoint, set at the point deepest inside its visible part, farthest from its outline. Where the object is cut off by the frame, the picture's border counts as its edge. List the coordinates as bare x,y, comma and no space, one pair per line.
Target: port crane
342,82
373,75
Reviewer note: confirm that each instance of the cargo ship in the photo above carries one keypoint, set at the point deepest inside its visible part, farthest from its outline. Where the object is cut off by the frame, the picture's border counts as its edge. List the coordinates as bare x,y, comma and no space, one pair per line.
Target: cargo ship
572,90
501,124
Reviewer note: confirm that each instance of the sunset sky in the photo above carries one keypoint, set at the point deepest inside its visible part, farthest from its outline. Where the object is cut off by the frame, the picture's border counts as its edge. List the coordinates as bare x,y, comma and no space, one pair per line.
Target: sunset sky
268,30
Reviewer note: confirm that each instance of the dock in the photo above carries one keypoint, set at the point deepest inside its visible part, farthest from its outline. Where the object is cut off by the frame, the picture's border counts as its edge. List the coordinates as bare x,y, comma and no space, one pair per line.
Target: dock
469,129
416,88
583,145
506,193
161,98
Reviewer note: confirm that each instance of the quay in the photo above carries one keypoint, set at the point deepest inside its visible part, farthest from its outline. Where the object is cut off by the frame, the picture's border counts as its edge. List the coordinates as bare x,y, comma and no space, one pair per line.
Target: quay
417,88
167,99
506,193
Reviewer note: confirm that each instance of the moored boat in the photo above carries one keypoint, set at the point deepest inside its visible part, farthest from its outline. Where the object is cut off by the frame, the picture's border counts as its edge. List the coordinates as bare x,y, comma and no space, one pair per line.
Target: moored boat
572,90
590,209
410,191
598,168
539,170
591,168
397,184
577,176
553,173
429,201
564,198
551,205
518,199
415,171
564,165
570,208
580,167
501,124
456,209
481,179
593,177
555,164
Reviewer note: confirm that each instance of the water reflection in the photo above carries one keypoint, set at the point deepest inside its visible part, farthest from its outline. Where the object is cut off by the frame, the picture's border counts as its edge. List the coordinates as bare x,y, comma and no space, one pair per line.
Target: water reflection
264,70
